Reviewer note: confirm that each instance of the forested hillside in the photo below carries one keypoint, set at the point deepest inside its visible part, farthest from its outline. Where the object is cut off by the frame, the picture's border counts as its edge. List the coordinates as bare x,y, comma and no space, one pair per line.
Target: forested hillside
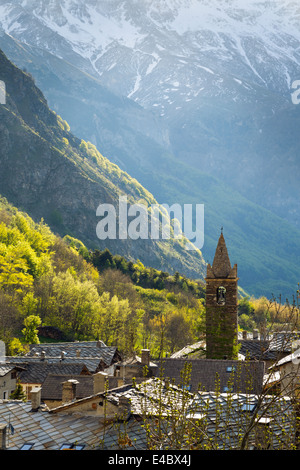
46,280
49,281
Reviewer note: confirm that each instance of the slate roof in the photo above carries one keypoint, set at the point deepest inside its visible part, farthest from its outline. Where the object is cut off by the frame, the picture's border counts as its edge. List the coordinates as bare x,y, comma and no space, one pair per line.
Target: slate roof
92,364
47,431
198,347
71,346
257,349
52,386
36,373
95,355
271,349
6,369
148,397
283,341
113,395
152,396
228,415
85,350
207,374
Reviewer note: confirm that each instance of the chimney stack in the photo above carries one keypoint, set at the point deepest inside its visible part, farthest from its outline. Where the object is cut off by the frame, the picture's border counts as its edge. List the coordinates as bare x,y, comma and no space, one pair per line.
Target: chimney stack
255,334
124,409
145,359
3,429
100,379
36,398
69,390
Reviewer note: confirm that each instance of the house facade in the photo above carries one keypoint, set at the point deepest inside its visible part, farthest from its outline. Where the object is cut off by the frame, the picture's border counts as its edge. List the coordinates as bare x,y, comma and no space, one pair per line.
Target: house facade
8,380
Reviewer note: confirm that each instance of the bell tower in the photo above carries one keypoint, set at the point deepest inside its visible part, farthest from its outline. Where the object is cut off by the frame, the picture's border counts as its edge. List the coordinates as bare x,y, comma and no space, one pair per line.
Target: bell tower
221,305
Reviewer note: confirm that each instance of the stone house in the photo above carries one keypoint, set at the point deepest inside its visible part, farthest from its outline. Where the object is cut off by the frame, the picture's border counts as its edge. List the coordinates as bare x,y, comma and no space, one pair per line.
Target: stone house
284,375
34,374
8,380
138,367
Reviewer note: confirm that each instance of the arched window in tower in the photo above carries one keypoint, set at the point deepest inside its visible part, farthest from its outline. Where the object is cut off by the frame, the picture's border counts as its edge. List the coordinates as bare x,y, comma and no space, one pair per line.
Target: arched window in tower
221,295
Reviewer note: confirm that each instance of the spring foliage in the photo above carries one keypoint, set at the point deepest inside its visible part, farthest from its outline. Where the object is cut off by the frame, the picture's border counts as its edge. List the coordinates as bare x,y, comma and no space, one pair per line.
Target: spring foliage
49,281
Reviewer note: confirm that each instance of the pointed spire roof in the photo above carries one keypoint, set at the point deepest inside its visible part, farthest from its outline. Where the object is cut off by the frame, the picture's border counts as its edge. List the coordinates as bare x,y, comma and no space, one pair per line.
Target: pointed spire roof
221,267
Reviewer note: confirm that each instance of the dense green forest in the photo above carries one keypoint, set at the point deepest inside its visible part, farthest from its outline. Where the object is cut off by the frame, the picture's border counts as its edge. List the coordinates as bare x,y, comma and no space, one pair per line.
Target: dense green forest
46,280
49,281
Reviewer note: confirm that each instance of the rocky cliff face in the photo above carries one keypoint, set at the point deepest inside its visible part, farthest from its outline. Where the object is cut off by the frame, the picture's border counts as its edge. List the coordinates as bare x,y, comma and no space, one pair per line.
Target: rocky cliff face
50,174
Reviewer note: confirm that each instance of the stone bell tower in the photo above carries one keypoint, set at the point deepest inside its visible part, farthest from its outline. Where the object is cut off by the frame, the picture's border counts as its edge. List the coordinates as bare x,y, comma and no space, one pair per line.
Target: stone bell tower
221,305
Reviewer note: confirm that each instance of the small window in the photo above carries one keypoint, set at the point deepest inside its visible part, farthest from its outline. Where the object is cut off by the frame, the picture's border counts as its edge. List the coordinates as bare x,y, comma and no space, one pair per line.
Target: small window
230,369
27,446
67,446
250,407
187,387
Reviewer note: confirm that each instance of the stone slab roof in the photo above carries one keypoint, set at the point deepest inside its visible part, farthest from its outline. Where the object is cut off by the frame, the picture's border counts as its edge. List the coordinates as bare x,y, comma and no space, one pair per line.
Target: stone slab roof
52,386
36,373
233,413
85,350
6,369
207,374
92,364
47,431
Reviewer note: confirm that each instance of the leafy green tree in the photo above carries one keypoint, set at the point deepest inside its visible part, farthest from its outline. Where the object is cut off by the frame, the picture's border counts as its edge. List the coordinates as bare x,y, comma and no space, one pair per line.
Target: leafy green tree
14,276
245,306
73,304
30,331
15,347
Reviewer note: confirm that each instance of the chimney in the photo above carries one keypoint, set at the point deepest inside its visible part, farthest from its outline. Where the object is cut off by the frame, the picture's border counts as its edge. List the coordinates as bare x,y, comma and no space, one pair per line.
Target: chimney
255,334
62,355
145,359
3,429
69,390
43,355
244,334
77,352
124,408
100,379
36,398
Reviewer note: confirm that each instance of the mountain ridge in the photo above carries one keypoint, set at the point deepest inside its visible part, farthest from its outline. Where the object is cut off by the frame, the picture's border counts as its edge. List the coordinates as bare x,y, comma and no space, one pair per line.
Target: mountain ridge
55,176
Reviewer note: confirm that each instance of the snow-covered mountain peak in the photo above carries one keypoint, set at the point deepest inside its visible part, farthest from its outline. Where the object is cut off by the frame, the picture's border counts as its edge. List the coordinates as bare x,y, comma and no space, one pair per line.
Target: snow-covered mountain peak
164,53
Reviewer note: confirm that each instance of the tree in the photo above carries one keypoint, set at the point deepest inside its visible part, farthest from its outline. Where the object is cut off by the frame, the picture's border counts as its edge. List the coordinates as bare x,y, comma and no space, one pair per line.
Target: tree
14,276
15,347
178,331
18,393
73,304
30,331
